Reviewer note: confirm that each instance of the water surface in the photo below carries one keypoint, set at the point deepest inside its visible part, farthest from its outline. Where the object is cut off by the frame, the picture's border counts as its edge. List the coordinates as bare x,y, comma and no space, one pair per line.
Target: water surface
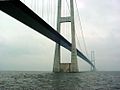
59,81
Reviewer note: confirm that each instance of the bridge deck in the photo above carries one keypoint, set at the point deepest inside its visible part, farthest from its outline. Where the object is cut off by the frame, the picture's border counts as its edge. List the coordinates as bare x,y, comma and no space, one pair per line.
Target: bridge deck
19,11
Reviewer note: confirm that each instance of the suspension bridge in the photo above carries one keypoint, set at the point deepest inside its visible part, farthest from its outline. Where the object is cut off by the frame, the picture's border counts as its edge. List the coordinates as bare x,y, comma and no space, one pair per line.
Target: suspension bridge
32,14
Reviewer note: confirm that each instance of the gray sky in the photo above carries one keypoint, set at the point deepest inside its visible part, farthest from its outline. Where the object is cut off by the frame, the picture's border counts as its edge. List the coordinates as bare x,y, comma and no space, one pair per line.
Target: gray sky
22,48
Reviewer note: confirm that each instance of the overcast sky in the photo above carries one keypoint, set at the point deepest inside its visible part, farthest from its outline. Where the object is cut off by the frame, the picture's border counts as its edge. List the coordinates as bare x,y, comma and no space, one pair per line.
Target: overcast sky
22,48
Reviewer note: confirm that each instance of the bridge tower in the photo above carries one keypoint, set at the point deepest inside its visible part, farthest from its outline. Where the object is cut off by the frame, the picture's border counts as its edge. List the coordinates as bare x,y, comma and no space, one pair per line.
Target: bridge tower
66,67
93,60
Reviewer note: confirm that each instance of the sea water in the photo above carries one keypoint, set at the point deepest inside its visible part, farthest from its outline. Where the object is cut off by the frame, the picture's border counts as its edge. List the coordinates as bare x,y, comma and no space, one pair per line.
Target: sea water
34,80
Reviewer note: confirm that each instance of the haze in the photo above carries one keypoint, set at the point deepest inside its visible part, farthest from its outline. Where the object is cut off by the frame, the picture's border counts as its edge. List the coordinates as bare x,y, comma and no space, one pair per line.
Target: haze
22,48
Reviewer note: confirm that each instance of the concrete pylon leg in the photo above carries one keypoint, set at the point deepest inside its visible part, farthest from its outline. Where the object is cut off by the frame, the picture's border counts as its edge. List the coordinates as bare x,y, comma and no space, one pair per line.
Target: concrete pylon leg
74,64
56,66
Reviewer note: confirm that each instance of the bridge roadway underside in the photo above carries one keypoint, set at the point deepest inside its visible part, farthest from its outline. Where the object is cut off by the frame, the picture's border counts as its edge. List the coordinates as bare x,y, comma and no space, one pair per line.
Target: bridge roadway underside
22,13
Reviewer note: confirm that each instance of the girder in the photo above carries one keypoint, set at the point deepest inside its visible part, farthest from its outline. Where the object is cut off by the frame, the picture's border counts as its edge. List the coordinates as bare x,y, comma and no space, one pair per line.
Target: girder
22,13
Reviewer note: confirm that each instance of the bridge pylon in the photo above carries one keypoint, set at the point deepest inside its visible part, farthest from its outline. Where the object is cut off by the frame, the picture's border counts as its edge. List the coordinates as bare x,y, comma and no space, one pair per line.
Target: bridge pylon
66,67
93,61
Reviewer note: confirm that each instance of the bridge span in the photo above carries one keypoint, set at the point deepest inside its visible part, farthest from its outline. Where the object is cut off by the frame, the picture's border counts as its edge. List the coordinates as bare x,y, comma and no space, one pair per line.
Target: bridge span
22,13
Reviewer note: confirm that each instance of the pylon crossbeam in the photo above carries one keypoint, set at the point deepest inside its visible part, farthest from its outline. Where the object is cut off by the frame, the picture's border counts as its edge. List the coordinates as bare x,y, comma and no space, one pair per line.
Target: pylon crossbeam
65,19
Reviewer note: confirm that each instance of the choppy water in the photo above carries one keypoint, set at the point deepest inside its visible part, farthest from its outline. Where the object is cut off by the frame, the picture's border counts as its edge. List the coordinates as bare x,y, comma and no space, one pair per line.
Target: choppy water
59,81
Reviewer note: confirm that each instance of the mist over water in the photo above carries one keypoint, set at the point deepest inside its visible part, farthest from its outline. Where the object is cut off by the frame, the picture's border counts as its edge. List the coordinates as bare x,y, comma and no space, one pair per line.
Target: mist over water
19,80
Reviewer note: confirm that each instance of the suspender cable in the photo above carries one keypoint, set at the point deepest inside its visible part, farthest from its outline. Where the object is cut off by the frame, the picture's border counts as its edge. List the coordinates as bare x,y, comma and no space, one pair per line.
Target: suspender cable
52,21
68,6
53,14
79,45
81,29
48,12
31,4
42,7
36,6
